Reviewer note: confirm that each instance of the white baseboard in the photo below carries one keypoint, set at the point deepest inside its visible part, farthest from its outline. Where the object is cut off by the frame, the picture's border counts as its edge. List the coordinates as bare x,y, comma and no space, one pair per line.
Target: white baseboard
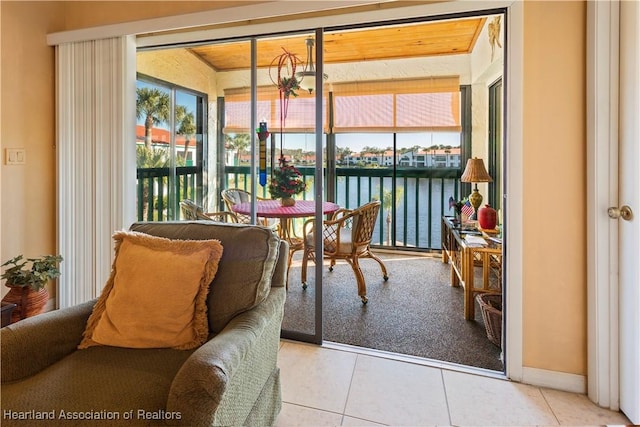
556,380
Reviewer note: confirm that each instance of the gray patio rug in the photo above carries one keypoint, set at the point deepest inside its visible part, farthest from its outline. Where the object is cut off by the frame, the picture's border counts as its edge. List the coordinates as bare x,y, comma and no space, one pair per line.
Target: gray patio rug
416,312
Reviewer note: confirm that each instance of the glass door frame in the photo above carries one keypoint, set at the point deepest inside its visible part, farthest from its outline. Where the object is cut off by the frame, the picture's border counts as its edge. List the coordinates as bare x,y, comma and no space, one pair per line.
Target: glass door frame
319,179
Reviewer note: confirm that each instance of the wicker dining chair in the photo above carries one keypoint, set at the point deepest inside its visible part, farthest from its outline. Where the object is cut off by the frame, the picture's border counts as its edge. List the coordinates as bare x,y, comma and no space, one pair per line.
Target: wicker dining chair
192,212
347,235
233,196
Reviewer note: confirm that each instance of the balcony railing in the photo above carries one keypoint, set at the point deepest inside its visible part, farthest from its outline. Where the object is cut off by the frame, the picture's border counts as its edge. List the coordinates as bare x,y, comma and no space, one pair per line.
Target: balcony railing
409,218
155,202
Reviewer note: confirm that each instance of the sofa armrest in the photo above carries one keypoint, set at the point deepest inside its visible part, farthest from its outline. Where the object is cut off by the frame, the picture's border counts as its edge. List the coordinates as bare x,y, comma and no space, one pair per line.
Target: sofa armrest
32,344
279,279
221,381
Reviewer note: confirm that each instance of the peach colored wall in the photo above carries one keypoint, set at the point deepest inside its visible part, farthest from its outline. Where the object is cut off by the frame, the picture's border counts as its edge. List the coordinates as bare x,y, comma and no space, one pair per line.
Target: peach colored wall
83,14
28,191
554,252
554,276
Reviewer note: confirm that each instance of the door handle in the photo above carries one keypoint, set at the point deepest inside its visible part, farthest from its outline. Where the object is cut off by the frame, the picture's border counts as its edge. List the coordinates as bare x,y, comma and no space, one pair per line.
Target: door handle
624,211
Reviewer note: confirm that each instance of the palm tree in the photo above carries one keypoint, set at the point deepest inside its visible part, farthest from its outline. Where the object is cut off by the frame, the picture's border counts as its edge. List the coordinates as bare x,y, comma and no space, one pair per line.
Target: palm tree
387,203
154,105
368,150
343,153
239,142
146,158
186,126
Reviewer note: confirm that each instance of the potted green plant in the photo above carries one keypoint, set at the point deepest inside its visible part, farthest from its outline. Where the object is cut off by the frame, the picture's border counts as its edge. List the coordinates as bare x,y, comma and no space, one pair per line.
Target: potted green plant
286,182
26,280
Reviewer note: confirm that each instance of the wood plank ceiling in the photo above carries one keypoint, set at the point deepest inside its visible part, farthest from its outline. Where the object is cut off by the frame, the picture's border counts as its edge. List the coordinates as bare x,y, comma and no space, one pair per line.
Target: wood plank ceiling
449,37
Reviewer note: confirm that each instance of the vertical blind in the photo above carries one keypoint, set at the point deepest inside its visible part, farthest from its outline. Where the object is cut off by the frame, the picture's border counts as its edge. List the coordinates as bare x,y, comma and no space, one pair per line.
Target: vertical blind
95,160
413,105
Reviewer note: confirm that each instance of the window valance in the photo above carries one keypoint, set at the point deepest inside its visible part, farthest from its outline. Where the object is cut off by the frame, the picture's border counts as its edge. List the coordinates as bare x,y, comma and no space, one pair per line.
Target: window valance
414,105
300,111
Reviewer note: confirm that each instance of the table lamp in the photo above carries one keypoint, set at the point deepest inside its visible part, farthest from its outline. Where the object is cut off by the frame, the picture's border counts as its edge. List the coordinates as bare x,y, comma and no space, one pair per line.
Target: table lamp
475,172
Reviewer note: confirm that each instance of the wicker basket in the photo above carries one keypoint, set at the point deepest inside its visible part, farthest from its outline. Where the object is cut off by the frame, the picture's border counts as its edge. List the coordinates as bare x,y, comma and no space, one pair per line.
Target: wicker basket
491,306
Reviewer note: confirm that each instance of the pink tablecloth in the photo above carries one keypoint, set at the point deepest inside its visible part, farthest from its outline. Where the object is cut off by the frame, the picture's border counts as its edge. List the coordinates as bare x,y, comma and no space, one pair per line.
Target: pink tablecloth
273,209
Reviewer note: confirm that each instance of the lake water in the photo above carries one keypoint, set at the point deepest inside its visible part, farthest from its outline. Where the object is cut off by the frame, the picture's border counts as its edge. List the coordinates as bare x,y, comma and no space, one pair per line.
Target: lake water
419,206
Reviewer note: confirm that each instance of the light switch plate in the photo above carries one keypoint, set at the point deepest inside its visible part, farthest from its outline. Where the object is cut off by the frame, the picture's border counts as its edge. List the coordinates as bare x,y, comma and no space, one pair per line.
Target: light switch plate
15,156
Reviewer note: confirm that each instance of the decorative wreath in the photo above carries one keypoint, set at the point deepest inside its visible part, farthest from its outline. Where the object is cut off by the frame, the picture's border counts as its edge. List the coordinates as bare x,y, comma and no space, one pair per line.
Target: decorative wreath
285,80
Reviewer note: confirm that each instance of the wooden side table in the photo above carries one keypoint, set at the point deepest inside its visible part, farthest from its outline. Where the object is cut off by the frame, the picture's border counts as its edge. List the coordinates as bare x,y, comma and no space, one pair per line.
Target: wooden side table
463,258
7,309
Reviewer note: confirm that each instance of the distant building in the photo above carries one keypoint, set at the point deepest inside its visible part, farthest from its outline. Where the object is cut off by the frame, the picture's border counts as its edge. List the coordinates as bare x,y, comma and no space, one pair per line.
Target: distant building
423,158
161,138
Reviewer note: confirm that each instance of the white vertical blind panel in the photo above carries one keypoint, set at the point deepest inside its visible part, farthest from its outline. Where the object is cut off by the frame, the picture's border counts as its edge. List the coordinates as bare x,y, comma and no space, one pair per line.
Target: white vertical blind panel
96,90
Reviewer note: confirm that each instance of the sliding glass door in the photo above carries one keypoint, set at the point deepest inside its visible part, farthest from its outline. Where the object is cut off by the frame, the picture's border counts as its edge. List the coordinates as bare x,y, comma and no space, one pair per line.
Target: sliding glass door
268,110
389,117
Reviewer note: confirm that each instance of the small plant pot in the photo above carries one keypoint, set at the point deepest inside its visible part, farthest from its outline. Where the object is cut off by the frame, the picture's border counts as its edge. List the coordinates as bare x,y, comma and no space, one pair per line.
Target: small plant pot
28,301
287,201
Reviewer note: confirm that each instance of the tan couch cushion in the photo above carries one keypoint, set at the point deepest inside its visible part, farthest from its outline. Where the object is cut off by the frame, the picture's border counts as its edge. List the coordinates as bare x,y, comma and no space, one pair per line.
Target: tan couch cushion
156,295
330,244
245,271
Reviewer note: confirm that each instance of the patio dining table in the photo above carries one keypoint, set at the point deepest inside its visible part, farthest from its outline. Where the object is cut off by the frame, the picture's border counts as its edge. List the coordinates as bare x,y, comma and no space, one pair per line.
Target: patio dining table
273,209
286,215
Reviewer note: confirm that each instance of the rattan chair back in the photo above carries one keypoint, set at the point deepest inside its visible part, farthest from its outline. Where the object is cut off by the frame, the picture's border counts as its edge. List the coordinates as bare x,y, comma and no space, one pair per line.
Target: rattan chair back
233,196
347,235
192,212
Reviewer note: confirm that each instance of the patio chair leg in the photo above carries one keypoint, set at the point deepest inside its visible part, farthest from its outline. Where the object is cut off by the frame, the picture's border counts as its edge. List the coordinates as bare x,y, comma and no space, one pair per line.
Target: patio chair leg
288,267
303,270
362,286
382,266
291,252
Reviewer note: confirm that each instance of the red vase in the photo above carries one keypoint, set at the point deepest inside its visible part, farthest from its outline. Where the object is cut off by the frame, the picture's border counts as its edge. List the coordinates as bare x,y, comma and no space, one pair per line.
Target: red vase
28,302
487,217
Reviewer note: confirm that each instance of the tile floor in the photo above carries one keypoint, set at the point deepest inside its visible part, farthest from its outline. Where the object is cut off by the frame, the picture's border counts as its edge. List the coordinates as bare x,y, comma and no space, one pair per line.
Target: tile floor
324,386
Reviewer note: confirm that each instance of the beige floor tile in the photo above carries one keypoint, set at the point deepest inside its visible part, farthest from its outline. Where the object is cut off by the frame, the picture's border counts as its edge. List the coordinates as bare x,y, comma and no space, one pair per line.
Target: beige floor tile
476,400
294,415
576,409
357,422
315,377
397,393
319,385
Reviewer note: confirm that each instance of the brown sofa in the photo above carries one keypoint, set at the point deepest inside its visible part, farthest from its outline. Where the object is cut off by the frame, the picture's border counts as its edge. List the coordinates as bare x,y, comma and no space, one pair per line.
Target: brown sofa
232,379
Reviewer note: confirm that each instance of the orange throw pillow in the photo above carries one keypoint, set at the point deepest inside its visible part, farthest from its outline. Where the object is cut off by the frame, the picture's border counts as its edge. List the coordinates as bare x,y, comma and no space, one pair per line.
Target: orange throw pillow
156,296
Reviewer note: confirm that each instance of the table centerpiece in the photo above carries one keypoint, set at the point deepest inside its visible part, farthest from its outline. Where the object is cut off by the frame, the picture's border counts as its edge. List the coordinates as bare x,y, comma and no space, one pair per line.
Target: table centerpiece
286,182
